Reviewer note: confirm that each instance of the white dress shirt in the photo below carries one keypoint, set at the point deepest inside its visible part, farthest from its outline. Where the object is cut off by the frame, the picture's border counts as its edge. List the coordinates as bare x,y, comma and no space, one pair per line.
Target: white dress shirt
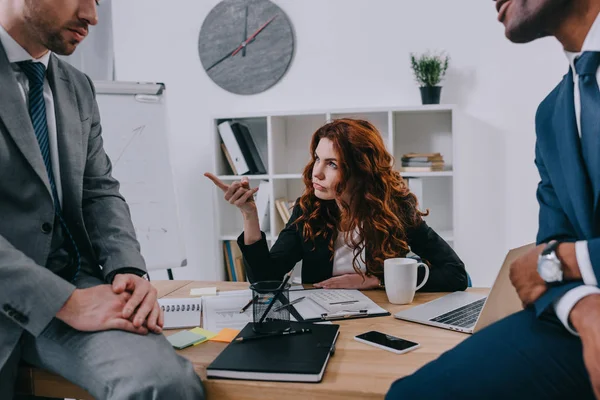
566,302
343,256
15,53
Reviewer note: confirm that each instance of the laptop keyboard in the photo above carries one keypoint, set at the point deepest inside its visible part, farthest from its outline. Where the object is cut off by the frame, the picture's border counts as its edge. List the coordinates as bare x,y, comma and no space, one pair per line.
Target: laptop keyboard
465,316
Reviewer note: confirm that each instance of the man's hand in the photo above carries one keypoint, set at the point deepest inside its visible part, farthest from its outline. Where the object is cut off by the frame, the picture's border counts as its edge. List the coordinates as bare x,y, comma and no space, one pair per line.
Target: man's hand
585,318
349,281
525,278
97,309
143,305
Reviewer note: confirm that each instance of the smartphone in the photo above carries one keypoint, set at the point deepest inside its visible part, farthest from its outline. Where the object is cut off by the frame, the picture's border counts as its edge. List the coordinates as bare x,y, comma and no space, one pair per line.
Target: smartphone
387,342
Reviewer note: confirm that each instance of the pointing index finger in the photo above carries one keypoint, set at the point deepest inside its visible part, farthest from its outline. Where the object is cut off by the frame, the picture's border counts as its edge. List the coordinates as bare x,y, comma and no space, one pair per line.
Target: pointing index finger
217,181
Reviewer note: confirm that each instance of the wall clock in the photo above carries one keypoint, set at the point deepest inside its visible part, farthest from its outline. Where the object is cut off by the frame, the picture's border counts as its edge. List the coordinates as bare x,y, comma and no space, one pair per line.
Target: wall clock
246,46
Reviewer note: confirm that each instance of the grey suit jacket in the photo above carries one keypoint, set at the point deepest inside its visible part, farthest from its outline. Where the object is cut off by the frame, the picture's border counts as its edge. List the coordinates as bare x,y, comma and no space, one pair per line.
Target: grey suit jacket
98,217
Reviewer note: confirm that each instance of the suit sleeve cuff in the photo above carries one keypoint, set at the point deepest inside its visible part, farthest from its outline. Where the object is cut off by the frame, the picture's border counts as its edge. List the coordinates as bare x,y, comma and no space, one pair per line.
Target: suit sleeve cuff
585,264
564,304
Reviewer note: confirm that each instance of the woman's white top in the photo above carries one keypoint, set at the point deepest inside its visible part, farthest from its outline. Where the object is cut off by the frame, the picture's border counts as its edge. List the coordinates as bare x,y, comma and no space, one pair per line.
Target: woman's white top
343,256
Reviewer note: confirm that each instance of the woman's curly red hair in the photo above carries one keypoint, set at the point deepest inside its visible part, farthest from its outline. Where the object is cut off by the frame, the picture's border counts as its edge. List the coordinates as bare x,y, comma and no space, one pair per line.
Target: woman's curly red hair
382,208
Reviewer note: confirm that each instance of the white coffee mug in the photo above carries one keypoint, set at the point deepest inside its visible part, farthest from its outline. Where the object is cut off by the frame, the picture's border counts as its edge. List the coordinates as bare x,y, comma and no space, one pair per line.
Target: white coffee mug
400,276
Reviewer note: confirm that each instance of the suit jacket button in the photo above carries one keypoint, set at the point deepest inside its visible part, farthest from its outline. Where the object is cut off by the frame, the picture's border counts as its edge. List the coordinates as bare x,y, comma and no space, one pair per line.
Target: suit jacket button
46,227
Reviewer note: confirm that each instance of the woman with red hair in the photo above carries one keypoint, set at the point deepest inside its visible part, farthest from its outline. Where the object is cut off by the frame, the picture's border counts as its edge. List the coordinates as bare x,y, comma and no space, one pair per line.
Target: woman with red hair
355,212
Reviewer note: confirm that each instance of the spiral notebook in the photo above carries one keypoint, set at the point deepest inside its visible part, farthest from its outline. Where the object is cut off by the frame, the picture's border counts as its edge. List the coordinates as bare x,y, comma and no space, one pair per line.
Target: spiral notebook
181,312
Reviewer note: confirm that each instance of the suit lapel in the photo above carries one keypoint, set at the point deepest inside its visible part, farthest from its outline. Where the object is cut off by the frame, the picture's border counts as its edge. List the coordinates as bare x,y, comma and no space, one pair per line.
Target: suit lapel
15,116
569,153
69,134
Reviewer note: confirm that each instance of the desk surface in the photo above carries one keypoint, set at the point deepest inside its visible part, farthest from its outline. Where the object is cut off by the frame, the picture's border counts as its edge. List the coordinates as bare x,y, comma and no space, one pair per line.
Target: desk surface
355,371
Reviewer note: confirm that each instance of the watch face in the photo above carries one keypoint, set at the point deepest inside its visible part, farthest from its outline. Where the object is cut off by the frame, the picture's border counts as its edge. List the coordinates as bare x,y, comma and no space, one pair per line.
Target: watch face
550,270
246,46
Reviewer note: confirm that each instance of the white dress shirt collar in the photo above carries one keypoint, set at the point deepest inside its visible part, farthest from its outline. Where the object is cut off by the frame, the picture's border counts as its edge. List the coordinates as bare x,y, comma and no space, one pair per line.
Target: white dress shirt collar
16,53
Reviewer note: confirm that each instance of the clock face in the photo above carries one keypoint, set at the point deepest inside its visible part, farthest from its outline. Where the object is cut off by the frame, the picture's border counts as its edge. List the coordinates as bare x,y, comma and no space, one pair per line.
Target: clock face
246,46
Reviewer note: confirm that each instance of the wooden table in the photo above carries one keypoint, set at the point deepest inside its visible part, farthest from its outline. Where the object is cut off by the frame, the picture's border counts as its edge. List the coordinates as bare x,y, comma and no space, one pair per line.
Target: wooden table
355,371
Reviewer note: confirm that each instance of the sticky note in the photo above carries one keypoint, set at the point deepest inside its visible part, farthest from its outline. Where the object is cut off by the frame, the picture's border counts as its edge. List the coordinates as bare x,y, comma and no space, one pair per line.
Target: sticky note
207,291
226,335
207,334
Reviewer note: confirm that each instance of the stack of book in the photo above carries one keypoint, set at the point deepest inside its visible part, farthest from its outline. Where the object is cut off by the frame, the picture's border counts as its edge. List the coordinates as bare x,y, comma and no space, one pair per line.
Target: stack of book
234,262
422,162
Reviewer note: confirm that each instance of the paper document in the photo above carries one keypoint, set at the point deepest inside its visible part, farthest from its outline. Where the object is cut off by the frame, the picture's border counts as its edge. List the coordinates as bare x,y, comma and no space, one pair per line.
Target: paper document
332,302
223,311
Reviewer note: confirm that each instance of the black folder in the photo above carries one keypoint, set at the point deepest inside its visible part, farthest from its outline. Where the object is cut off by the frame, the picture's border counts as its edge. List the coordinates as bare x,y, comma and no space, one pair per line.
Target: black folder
289,358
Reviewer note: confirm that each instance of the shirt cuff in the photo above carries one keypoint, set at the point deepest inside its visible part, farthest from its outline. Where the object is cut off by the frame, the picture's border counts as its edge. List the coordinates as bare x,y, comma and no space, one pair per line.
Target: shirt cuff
564,304
585,264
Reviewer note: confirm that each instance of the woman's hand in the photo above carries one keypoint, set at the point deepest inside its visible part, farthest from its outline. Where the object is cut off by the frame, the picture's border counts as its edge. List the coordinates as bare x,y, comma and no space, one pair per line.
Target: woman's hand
238,193
349,281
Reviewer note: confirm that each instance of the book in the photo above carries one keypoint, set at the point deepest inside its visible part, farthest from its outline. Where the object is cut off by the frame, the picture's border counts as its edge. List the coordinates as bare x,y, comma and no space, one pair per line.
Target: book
228,158
423,156
181,312
422,169
291,358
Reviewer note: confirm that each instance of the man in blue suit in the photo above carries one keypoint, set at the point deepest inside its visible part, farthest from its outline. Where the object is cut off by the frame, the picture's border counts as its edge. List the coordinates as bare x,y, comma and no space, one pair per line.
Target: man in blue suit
551,349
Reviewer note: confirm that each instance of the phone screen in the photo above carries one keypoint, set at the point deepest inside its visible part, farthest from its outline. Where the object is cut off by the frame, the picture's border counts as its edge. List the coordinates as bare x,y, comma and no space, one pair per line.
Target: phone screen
387,340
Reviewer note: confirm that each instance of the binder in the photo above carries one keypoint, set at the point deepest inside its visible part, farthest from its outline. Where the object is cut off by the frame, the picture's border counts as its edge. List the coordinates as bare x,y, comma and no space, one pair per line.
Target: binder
310,311
248,147
233,148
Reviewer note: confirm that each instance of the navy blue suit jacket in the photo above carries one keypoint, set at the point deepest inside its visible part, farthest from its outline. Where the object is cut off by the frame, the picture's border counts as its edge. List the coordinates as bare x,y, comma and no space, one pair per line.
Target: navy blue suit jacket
568,204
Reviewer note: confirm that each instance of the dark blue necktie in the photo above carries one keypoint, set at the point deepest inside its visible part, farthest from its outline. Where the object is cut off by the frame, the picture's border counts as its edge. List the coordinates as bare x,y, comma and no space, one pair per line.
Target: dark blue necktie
586,67
36,74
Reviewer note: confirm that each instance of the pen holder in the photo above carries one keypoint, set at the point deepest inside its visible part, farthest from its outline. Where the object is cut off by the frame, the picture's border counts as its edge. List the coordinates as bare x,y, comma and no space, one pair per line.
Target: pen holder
269,300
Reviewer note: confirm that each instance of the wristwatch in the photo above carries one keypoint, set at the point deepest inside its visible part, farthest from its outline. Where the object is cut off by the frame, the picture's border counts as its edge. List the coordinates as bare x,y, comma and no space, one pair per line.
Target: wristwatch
549,266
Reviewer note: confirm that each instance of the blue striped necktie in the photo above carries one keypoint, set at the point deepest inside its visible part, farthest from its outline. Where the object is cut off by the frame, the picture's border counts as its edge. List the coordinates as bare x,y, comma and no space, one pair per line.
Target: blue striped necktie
36,74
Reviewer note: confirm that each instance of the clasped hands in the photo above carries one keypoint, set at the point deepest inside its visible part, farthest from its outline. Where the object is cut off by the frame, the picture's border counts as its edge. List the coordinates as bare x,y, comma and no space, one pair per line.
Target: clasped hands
129,304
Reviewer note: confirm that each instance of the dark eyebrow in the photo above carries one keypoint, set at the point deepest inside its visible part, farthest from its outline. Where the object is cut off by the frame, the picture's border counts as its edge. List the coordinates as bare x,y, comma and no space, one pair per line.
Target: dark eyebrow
327,159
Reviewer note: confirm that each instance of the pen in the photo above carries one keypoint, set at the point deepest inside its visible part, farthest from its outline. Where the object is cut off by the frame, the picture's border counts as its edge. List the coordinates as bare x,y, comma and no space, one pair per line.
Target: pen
297,332
281,307
344,315
275,295
252,300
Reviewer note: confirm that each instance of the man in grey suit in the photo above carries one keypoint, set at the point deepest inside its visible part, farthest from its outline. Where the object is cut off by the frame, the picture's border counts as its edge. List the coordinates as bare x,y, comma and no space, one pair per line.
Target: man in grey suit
73,299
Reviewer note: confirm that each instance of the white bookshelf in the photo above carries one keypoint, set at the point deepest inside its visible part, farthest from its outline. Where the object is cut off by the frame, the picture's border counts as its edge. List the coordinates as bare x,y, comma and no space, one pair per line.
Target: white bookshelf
283,141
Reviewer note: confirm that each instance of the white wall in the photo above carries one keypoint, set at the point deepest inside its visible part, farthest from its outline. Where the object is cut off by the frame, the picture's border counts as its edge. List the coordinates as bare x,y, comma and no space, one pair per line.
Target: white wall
354,53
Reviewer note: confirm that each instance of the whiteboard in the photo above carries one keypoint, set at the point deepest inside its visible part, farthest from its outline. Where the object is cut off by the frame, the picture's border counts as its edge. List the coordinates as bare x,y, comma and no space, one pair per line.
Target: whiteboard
135,134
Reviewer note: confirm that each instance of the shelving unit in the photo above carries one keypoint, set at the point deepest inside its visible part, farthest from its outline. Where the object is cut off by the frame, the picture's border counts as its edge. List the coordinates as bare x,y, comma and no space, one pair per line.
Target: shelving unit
283,141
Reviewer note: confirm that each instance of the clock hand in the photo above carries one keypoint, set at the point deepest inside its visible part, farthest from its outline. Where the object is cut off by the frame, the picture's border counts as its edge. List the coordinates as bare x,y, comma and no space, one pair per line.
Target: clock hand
243,45
220,61
245,32
251,38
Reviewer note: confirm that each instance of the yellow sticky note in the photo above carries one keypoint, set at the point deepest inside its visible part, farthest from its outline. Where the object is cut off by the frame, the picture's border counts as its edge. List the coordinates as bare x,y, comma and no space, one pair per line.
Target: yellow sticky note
226,335
207,334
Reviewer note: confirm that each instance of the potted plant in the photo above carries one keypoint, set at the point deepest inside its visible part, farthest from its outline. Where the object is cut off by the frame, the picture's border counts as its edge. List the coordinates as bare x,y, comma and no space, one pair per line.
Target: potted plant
429,70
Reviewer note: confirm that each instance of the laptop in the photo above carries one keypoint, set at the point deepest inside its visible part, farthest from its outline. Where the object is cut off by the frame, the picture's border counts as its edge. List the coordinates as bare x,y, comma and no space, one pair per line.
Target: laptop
470,312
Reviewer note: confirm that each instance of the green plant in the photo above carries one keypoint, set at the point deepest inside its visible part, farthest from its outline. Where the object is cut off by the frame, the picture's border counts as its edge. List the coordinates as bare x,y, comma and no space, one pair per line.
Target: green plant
429,69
